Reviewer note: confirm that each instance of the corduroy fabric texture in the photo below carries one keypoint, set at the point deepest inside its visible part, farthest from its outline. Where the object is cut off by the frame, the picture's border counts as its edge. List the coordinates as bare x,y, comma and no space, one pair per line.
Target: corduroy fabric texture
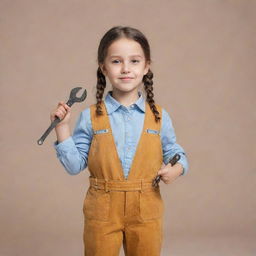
118,210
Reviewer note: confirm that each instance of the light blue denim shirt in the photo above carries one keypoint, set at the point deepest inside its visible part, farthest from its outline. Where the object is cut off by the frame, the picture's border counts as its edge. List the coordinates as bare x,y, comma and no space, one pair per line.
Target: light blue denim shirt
126,124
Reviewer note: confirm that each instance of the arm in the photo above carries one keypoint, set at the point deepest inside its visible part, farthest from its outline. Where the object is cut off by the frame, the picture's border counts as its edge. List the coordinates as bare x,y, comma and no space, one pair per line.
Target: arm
73,151
169,145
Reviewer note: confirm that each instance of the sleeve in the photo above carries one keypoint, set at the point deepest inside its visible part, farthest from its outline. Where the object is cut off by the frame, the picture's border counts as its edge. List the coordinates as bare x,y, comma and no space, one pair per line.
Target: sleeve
169,145
73,151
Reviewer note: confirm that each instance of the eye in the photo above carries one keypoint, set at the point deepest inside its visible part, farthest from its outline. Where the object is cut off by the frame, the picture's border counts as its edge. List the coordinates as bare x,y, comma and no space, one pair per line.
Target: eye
135,61
115,61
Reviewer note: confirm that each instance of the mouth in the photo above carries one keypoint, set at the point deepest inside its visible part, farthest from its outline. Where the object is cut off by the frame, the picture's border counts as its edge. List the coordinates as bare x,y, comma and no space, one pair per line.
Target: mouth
126,78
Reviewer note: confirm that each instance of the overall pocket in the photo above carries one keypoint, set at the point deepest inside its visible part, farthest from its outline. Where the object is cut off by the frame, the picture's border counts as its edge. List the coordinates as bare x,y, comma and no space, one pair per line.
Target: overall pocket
151,205
97,204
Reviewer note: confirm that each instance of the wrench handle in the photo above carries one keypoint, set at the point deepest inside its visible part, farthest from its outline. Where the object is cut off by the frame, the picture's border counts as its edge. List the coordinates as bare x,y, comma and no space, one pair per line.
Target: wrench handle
70,103
52,126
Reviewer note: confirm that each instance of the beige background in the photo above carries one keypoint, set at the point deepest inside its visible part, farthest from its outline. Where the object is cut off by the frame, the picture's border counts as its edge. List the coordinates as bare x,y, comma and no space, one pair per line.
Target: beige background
204,75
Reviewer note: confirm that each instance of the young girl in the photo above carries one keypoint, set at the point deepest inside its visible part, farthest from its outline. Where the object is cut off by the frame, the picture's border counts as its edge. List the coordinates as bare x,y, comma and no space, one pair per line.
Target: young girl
126,141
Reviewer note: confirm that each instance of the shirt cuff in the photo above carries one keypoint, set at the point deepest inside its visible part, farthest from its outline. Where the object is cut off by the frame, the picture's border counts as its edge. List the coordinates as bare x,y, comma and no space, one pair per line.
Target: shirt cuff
184,163
64,146
183,170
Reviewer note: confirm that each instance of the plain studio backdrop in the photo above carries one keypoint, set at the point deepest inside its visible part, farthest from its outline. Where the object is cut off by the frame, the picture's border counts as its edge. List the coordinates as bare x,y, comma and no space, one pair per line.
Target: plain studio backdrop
203,54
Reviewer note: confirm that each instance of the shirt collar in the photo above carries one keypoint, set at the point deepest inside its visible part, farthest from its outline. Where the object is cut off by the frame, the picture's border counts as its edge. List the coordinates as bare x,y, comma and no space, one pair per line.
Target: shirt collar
112,104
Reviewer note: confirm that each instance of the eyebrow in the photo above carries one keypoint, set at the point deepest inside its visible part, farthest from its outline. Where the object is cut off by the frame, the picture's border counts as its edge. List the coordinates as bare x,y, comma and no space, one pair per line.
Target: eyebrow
114,56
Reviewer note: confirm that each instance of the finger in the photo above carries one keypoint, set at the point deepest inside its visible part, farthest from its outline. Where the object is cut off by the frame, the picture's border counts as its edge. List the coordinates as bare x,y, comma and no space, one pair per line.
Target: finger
167,181
163,177
64,105
60,103
58,114
62,108
162,172
61,113
67,107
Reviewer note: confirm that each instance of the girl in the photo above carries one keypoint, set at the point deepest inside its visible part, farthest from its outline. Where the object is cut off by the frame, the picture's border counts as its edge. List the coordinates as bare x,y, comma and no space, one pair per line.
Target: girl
126,141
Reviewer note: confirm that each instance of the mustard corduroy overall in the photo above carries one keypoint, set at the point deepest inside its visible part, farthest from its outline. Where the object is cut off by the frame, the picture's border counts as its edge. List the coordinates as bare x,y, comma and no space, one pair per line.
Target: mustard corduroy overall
119,210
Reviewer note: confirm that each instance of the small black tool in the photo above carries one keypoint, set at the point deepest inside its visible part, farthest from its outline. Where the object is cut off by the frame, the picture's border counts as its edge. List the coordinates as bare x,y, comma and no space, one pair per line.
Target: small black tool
70,102
173,161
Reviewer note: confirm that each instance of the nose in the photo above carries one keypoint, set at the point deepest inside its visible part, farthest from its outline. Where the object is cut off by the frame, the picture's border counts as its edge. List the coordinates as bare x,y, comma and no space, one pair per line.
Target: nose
125,68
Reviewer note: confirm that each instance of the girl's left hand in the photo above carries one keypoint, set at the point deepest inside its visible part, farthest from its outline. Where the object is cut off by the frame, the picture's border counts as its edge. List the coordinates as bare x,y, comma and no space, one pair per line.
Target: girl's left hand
170,173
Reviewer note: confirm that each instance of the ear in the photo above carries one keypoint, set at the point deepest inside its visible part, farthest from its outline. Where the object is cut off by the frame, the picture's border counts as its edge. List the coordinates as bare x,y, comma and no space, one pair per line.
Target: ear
147,66
103,69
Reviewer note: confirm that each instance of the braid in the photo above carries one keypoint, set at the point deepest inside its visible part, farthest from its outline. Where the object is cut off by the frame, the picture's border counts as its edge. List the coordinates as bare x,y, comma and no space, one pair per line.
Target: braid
148,86
101,85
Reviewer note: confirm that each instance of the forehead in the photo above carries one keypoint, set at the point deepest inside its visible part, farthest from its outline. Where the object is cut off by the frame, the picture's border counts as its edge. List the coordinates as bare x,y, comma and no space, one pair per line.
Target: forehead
124,47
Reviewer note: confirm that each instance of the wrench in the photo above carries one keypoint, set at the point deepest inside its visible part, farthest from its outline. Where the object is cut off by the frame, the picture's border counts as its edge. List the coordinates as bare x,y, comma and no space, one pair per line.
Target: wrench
173,161
70,102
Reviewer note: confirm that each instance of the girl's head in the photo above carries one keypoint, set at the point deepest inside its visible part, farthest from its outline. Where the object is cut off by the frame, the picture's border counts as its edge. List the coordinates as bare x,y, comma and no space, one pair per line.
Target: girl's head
124,57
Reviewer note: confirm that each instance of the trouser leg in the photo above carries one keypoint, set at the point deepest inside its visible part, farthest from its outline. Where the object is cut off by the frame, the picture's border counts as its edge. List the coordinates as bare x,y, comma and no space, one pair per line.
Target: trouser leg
102,239
143,239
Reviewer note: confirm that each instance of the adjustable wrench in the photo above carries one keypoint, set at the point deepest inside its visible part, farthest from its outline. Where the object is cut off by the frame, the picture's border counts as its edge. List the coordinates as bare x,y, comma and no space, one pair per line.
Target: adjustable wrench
70,102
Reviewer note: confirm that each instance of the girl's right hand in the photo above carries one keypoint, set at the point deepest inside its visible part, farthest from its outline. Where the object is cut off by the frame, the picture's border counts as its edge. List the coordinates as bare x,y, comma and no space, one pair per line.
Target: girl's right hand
63,112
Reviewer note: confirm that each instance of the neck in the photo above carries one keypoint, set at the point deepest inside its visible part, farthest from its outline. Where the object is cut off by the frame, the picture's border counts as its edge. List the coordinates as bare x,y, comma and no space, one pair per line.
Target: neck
125,98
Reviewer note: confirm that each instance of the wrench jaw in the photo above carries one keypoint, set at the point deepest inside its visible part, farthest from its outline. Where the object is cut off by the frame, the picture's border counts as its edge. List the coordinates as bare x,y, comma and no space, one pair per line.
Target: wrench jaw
82,98
73,98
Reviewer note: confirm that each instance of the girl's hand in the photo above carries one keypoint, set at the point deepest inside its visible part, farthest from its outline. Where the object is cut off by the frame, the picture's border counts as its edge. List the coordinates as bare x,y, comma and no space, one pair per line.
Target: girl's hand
170,173
63,112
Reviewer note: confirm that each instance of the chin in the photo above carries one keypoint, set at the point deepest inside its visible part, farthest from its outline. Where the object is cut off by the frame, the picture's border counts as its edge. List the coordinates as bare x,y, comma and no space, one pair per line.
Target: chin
126,89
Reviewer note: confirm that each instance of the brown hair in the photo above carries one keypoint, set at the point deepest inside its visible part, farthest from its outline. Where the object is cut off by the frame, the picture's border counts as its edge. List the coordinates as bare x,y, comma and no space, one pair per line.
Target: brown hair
112,35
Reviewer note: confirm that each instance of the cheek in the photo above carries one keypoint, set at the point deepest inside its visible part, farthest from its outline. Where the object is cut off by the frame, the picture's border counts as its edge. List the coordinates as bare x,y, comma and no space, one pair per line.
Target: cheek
139,72
113,72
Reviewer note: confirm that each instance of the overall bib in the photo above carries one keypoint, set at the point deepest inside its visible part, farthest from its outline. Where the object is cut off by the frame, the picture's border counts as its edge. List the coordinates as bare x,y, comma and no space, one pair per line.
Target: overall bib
119,210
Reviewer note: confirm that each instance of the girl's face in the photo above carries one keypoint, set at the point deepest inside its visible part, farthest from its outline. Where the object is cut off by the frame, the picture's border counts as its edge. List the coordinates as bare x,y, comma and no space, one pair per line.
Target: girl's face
125,65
